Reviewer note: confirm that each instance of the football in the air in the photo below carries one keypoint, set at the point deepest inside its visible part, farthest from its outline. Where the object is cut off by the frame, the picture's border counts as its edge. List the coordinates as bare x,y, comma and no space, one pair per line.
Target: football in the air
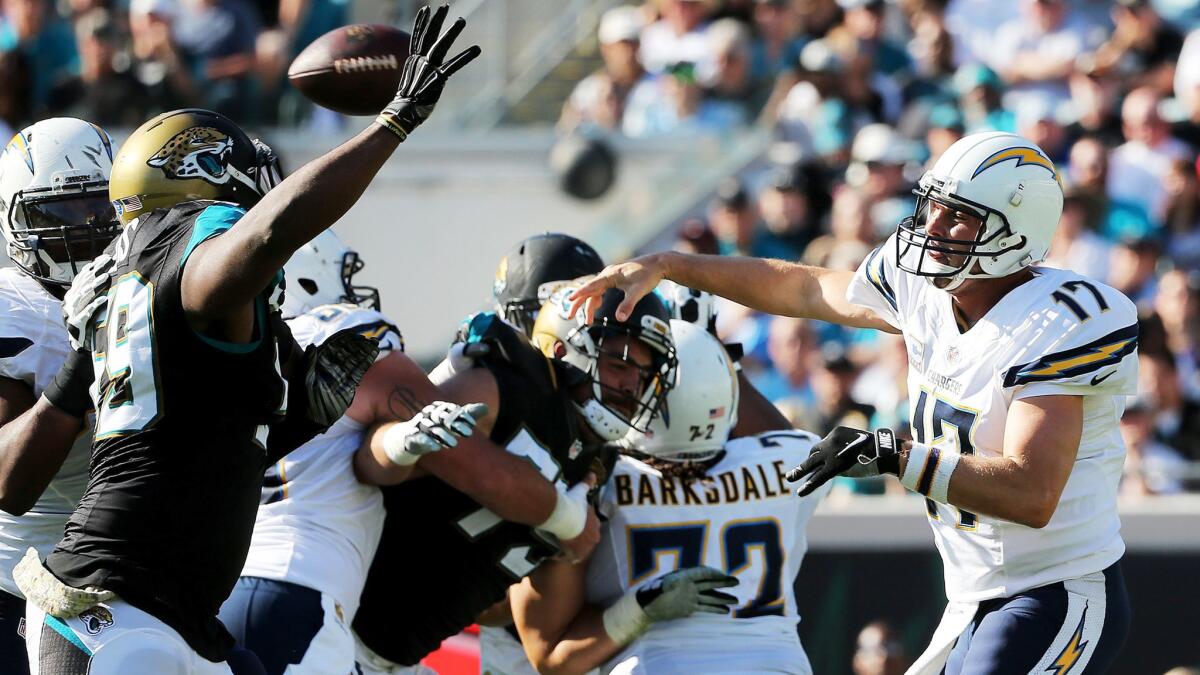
354,70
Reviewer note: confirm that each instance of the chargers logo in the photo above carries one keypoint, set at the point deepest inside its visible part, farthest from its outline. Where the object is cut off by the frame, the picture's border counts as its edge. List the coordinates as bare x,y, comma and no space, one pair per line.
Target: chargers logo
1070,654
20,146
1023,156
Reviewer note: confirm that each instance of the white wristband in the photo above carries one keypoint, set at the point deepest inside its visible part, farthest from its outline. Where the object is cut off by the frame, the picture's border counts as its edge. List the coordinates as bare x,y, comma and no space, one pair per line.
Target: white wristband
570,513
393,444
928,471
625,620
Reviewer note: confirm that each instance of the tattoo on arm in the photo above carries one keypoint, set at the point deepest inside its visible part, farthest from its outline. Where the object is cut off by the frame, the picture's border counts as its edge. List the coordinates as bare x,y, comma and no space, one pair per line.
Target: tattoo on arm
403,403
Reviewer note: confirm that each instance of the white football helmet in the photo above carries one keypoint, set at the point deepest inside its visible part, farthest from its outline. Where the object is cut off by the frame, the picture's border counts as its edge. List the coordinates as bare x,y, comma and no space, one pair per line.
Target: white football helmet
1005,180
703,402
321,272
54,198
582,345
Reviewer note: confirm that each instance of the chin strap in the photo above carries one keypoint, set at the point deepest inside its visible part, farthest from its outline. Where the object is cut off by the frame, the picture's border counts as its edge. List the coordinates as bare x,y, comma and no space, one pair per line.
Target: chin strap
608,426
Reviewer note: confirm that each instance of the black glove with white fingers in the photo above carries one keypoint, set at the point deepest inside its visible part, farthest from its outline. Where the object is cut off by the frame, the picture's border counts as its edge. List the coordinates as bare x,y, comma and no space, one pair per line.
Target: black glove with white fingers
425,71
674,595
848,452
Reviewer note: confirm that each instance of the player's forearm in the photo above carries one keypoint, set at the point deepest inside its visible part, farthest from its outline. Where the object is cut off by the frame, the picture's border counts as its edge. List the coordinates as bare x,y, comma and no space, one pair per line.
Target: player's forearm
1000,487
584,646
32,449
243,261
507,485
773,286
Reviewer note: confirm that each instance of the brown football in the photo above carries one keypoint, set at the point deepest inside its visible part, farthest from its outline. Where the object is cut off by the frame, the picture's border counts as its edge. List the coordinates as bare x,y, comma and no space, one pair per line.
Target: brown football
353,70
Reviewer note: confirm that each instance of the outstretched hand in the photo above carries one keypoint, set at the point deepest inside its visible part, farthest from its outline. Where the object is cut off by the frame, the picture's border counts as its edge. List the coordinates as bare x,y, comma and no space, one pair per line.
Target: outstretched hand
636,278
425,71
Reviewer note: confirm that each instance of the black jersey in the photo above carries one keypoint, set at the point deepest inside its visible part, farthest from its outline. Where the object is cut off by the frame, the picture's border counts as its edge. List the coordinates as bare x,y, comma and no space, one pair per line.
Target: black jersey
455,557
179,451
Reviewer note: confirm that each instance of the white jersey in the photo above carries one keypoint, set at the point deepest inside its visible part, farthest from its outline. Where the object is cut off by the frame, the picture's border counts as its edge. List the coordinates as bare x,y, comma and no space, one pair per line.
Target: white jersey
317,525
1059,333
742,518
33,345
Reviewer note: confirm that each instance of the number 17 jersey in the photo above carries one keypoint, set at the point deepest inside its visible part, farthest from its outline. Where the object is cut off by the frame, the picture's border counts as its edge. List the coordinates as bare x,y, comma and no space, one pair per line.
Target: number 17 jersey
1059,333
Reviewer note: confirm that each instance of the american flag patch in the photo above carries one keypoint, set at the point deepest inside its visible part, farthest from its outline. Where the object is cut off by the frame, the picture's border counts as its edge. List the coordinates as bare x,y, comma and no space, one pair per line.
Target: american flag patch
132,203
714,413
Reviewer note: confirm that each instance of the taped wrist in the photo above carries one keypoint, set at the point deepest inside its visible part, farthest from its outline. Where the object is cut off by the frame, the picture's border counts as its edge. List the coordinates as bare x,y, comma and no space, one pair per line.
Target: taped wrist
889,452
570,513
929,470
391,124
393,443
68,391
625,620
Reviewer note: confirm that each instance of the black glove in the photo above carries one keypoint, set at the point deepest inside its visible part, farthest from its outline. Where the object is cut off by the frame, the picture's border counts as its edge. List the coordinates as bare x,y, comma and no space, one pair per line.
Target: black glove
425,74
848,452
68,391
332,372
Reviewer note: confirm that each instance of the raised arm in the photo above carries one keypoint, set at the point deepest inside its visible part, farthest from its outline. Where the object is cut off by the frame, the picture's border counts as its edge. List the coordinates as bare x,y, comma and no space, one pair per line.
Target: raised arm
225,274
772,286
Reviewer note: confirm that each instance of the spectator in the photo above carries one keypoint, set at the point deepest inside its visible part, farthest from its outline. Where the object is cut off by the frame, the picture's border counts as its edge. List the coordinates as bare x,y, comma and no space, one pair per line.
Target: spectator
1142,48
880,157
1176,417
599,99
832,377
45,42
850,225
1035,54
932,52
1093,106
1151,468
101,93
14,95
878,651
790,213
778,45
697,238
1075,245
733,218
219,38
1038,121
1115,219
678,37
673,104
1187,90
789,345
1178,306
1182,217
817,17
973,23
946,125
861,33
979,92
1139,167
157,61
814,112
884,384
729,86
1131,270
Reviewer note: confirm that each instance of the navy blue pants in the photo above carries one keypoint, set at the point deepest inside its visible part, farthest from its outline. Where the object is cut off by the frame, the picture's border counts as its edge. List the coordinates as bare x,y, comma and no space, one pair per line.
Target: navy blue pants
12,635
276,620
1049,624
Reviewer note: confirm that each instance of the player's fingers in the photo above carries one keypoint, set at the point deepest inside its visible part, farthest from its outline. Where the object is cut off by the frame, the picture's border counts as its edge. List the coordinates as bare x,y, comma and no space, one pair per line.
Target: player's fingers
724,581
716,598
818,479
463,58
442,44
436,19
477,411
443,436
420,26
591,479
806,467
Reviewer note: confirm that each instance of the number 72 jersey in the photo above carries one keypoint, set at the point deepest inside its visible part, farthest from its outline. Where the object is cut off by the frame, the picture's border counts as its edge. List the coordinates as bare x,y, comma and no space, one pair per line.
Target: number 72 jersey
1059,333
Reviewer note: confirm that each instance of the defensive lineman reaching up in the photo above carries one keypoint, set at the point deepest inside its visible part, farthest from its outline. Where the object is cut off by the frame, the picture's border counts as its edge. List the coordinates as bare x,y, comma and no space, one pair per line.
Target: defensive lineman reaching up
1019,373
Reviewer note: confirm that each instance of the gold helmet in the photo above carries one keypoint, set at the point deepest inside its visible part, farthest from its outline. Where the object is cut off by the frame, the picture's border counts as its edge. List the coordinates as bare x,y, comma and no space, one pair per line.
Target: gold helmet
186,155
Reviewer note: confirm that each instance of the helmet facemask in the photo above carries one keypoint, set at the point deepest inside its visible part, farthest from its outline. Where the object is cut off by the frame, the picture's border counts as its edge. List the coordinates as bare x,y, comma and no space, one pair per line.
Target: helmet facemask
946,262
612,411
55,231
363,296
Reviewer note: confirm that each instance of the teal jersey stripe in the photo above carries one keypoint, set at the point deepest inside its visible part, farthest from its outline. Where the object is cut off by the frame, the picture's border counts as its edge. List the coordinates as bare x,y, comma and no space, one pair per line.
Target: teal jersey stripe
65,631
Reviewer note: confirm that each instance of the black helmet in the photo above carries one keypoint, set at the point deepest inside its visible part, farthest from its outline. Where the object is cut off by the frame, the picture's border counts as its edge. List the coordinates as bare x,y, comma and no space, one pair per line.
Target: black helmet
533,269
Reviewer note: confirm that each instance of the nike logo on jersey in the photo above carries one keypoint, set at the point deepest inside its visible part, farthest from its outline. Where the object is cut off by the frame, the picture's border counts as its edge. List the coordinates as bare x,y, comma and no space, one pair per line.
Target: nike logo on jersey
11,346
1100,378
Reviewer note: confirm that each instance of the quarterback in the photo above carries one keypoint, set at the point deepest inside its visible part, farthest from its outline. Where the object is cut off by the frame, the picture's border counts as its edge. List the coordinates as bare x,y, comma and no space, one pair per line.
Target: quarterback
1018,374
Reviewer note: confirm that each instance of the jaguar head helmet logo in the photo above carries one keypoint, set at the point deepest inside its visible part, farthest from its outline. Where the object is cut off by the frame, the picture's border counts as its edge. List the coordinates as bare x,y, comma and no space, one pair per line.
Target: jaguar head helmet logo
96,619
196,152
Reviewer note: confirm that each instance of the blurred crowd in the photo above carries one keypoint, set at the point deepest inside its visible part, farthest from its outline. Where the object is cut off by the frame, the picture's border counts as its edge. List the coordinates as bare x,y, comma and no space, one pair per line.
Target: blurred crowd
864,95
120,62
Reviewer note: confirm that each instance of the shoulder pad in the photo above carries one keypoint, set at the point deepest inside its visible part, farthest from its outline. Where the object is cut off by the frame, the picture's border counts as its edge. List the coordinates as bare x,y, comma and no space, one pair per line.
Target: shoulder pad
323,321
